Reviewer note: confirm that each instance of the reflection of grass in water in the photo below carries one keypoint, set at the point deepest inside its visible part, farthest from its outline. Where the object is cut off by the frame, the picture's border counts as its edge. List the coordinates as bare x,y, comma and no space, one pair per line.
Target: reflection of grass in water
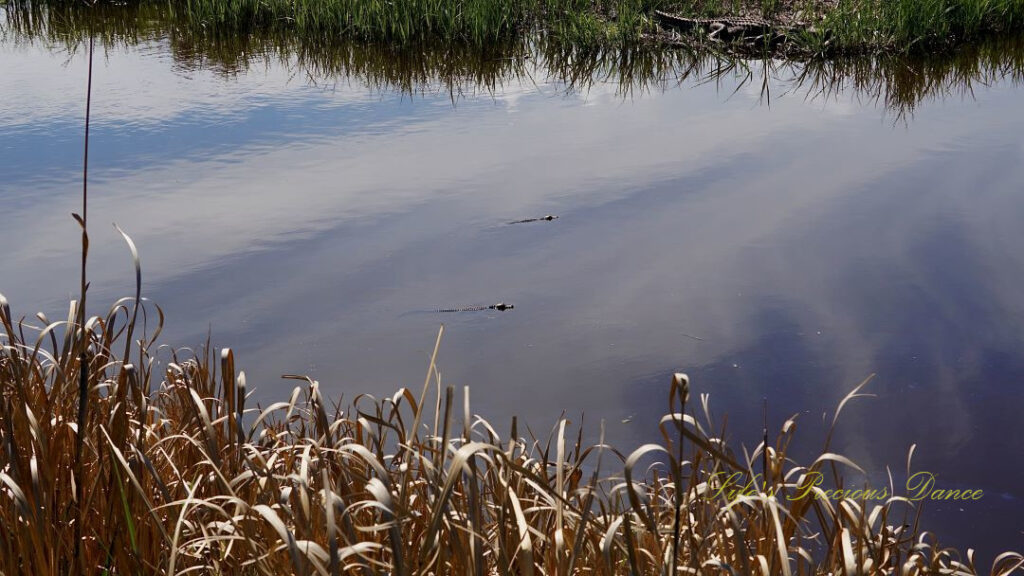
181,473
902,83
898,82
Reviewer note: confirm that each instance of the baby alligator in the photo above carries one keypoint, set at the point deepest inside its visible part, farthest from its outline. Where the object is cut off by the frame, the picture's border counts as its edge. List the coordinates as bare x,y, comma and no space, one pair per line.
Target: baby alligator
548,218
499,306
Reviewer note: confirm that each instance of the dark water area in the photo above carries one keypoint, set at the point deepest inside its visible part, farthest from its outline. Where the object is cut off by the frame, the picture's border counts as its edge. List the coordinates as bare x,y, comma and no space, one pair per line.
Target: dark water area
775,230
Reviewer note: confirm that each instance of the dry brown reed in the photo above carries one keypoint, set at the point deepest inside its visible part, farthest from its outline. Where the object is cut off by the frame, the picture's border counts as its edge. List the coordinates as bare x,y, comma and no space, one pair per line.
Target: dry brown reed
181,474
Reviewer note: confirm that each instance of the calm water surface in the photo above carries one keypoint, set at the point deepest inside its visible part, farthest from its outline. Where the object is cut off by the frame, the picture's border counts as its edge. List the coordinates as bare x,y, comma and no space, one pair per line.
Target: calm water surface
871,222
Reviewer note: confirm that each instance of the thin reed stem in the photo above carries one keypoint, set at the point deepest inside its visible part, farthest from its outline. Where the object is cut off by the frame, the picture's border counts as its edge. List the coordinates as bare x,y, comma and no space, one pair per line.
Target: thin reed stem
83,360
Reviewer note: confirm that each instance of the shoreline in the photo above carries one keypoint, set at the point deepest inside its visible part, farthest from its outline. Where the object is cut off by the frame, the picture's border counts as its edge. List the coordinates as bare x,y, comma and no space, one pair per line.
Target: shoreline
789,29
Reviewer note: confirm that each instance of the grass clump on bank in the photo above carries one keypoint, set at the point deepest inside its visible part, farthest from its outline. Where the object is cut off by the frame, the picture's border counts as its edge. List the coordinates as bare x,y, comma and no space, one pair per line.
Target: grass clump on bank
819,26
810,27
592,23
181,474
908,25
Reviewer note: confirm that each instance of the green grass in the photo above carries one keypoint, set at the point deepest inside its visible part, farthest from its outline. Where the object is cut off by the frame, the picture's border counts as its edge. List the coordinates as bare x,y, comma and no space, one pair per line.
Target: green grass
847,26
906,25
828,27
477,22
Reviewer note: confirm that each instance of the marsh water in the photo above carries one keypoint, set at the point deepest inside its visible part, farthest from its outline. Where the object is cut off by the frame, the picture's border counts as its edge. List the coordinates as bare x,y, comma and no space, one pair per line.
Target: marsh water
775,230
